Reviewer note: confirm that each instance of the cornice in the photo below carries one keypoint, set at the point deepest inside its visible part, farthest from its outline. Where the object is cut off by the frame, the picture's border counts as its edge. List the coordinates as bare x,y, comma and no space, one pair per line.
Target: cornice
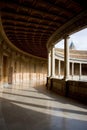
5,38
75,24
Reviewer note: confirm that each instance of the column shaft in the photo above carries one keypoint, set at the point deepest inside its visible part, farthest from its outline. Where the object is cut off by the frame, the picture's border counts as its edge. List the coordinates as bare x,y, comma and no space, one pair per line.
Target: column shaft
72,70
80,71
52,61
59,68
66,58
49,63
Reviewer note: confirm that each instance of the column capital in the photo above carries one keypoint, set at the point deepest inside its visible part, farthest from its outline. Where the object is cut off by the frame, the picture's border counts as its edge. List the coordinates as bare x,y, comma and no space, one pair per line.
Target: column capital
48,50
52,46
66,36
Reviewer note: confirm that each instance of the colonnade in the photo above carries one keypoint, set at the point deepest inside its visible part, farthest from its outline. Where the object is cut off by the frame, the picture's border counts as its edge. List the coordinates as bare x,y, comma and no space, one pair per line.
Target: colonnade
80,70
52,58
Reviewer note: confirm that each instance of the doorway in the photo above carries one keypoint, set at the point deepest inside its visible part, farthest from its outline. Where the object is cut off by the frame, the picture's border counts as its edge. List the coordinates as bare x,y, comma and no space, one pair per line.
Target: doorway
5,69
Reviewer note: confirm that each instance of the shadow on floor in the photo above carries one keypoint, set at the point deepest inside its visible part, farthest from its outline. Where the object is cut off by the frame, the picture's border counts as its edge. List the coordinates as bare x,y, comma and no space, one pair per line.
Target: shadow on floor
42,89
20,118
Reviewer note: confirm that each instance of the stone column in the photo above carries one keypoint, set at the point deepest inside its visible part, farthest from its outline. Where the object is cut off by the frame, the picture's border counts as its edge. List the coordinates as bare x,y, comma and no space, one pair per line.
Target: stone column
66,57
59,68
10,68
72,70
49,63
13,66
1,65
52,61
80,71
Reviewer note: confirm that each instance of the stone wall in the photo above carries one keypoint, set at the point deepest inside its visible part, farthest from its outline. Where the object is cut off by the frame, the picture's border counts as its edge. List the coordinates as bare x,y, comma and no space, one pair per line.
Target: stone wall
17,68
74,89
77,90
56,85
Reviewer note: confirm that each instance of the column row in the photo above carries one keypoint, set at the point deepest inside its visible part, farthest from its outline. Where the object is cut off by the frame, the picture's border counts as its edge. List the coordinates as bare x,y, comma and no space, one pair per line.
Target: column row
51,67
51,60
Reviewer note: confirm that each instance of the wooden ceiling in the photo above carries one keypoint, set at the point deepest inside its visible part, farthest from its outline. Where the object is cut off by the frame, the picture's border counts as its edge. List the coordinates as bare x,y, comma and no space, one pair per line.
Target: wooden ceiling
29,24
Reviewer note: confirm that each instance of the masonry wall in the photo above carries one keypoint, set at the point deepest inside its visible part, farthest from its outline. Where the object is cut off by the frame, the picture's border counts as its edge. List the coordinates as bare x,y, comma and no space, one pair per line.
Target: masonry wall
73,89
77,90
18,68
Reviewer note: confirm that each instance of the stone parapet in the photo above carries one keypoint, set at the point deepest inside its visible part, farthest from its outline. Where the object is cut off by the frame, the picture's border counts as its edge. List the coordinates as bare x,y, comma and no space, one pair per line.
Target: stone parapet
73,53
73,89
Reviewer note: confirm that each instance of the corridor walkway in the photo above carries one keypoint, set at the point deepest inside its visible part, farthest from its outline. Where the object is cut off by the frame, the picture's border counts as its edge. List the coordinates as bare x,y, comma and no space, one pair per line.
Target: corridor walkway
27,107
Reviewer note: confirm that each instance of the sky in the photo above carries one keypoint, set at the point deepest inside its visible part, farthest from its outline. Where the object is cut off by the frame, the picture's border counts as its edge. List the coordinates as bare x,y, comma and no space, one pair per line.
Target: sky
79,39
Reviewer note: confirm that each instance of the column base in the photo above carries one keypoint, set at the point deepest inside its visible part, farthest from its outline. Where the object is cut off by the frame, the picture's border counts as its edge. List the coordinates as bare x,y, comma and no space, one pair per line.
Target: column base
66,78
79,77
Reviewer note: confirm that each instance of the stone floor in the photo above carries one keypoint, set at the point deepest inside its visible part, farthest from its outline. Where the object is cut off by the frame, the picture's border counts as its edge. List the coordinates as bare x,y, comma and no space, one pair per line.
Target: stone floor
26,107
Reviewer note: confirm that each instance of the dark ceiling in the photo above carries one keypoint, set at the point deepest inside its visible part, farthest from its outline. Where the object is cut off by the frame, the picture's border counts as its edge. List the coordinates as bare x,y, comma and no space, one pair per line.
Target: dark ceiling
29,24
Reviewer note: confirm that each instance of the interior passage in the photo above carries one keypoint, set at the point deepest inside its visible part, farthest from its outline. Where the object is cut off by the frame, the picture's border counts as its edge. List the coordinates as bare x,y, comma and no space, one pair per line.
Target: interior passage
33,107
